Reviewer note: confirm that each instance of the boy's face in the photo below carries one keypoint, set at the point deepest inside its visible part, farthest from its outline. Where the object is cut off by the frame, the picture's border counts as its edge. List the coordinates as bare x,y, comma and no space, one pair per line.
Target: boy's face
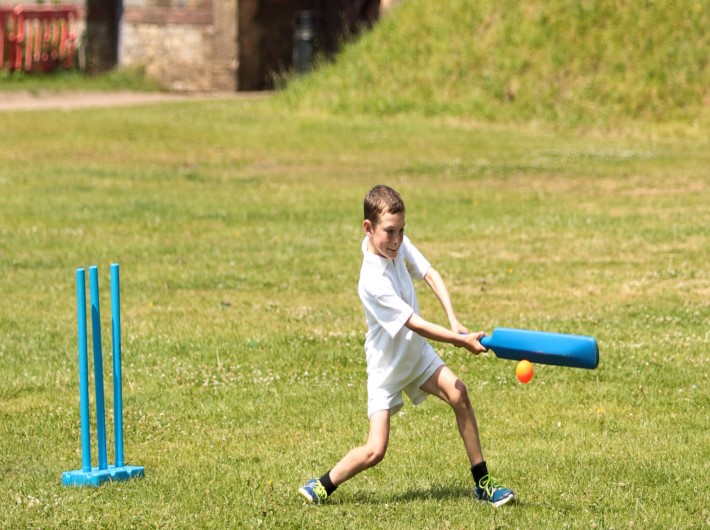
385,237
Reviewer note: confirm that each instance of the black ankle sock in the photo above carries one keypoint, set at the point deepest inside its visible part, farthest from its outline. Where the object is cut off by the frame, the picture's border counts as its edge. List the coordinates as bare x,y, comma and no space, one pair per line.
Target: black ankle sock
479,471
328,484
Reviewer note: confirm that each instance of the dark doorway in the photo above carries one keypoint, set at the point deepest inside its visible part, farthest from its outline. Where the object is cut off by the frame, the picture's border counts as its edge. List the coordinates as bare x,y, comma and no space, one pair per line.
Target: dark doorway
266,34
102,20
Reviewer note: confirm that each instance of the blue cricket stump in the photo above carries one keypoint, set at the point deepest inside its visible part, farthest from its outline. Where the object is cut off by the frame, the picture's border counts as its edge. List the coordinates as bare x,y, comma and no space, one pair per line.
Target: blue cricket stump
88,475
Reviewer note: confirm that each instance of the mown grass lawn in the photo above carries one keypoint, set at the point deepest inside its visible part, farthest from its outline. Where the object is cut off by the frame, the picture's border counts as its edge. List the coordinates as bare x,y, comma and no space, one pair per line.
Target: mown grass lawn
237,228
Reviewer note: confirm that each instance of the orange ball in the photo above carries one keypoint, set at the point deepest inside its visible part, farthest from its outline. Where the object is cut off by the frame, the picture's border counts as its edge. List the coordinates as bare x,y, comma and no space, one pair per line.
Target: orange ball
524,371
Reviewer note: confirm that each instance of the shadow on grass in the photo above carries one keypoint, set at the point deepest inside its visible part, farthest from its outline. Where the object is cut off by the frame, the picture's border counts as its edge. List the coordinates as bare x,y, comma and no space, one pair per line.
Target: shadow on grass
435,493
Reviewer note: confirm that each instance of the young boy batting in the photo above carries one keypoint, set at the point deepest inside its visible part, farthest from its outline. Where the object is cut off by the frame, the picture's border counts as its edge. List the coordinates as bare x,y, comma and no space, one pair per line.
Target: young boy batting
399,357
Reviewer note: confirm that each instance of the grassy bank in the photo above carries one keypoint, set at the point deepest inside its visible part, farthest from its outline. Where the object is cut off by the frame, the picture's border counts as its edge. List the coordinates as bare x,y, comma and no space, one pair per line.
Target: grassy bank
603,64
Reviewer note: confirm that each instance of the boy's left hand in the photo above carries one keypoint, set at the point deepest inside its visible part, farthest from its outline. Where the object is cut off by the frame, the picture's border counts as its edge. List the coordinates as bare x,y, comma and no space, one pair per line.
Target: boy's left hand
458,327
473,344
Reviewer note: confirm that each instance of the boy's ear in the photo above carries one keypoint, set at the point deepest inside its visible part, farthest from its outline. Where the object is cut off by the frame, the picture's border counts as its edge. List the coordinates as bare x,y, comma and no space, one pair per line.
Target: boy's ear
367,226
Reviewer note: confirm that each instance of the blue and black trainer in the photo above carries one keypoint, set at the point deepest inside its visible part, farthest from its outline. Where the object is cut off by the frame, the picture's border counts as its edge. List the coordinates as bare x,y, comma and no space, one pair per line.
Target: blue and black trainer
313,492
488,490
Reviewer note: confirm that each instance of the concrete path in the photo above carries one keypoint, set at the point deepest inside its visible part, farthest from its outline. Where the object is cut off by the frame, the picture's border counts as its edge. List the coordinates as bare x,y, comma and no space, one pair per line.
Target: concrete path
67,100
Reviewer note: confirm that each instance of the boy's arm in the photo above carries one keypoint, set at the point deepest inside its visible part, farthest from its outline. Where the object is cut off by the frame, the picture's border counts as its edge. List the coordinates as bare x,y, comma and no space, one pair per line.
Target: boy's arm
432,331
434,280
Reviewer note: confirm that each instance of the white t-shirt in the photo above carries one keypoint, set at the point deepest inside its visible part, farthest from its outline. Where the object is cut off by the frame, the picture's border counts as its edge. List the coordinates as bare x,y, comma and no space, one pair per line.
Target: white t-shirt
395,354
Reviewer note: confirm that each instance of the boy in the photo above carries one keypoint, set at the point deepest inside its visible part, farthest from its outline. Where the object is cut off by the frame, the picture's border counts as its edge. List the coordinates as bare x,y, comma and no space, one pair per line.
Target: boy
399,358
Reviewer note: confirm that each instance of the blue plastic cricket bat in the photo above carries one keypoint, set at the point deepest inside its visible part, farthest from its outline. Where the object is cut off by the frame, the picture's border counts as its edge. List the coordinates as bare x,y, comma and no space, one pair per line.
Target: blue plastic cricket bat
577,351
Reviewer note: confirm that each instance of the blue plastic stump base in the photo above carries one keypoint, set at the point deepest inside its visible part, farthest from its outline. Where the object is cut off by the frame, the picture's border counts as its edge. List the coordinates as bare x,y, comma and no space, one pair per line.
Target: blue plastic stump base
97,476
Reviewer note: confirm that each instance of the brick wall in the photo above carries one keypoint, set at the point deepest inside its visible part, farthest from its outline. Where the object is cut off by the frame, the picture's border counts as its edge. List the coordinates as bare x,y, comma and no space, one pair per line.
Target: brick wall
225,46
188,45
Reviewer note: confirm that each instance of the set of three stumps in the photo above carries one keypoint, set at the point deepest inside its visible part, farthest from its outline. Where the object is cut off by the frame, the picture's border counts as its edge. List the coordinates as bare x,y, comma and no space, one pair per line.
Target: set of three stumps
90,475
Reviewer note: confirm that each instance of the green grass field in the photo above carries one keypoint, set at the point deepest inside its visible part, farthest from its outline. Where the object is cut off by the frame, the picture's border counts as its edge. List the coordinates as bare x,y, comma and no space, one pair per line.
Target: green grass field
237,227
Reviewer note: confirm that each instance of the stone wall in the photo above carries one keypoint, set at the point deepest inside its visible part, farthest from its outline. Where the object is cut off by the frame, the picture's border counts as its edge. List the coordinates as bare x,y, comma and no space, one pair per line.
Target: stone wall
225,46
188,45
208,45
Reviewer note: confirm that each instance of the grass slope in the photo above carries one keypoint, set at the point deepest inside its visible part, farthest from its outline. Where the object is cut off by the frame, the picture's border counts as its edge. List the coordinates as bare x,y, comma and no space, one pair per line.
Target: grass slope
594,63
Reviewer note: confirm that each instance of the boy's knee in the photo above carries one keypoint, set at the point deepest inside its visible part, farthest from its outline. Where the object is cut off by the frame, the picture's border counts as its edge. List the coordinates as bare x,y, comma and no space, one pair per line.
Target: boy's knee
459,398
375,455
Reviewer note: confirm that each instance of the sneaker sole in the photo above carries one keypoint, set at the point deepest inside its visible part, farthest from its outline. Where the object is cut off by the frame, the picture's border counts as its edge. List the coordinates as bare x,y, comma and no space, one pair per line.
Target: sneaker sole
501,502
303,493
498,504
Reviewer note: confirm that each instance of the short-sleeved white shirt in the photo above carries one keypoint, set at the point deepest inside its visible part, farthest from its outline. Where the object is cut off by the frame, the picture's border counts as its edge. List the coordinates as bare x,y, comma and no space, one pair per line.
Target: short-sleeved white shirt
396,355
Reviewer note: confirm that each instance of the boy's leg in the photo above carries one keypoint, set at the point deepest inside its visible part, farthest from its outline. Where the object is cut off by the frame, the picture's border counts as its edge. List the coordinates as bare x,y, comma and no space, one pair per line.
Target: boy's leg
446,386
365,456
359,459
449,388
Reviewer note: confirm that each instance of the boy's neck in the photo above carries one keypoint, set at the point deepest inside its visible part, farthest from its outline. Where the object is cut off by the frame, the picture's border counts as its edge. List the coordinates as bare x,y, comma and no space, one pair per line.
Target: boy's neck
372,250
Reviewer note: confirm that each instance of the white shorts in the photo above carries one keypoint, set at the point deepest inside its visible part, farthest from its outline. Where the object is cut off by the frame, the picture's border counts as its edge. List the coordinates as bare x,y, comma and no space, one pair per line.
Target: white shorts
381,399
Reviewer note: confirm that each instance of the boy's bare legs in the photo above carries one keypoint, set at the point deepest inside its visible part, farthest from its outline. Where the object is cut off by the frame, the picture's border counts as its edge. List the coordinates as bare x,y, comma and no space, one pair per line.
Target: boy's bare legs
368,455
449,388
446,386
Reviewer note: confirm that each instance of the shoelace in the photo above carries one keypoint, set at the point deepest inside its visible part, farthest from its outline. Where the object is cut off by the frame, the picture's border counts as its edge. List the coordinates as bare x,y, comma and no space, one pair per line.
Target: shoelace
319,490
489,485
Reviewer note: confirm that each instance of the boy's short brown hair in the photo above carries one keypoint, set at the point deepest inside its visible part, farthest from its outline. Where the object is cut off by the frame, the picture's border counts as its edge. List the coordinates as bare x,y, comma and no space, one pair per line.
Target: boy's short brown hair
381,200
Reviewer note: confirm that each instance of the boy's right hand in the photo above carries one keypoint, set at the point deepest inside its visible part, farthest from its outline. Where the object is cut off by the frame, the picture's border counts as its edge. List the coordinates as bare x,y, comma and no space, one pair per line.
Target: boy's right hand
472,342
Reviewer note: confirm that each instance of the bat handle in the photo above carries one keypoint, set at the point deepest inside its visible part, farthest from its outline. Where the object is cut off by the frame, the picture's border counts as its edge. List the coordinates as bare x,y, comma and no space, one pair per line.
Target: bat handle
485,340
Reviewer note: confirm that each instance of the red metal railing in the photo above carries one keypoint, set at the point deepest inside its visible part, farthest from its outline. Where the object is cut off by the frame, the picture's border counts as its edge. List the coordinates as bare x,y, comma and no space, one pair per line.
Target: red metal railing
37,37
6,19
